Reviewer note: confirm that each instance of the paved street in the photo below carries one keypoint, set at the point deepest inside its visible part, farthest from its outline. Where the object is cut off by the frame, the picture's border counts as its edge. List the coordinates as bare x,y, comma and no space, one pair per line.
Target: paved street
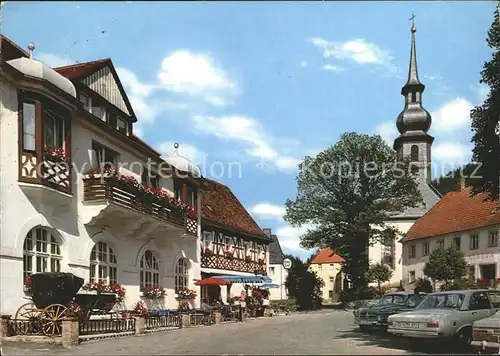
325,332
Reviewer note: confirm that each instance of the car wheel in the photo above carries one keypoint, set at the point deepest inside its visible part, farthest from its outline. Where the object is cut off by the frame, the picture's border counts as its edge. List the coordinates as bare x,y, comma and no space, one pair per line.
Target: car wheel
464,337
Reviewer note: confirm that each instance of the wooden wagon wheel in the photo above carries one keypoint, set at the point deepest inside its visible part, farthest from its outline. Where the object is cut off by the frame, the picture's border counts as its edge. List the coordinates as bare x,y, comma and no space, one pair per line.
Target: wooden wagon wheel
26,319
51,319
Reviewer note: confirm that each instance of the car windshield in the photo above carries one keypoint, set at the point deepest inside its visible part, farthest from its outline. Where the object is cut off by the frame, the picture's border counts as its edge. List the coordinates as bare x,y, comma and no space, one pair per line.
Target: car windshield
392,298
442,301
413,300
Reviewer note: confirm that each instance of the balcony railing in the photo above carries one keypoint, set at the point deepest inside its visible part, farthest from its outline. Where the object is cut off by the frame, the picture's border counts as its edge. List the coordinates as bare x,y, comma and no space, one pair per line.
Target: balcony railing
233,264
113,191
36,169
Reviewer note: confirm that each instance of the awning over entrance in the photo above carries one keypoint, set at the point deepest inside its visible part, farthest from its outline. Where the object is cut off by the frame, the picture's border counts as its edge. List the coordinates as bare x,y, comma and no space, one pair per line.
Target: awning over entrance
246,279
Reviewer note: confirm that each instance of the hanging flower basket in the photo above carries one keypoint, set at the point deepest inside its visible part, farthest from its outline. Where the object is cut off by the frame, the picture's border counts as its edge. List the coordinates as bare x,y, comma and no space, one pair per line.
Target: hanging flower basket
186,294
103,287
153,292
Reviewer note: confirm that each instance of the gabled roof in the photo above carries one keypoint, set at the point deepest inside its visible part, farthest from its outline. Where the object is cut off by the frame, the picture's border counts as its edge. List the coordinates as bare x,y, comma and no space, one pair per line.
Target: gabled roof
326,255
455,212
221,207
276,255
78,72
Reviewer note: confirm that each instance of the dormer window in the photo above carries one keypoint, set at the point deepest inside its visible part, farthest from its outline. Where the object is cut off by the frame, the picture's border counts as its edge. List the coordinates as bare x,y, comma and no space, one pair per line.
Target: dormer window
85,100
121,125
99,112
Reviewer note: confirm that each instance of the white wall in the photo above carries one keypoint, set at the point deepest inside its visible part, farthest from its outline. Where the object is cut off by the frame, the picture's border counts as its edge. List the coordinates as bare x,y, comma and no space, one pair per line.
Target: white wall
483,255
278,274
19,214
375,252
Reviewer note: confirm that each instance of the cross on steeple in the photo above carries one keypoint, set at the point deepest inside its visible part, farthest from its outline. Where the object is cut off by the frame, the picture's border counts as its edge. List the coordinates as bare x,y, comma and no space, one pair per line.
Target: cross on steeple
412,18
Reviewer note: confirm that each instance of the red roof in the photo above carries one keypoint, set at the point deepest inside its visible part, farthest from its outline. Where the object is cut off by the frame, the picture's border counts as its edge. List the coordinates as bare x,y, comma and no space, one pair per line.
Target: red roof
220,206
456,211
326,255
79,70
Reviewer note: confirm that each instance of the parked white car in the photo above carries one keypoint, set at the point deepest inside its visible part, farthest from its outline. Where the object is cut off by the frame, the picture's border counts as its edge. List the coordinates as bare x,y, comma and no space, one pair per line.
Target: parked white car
486,334
445,315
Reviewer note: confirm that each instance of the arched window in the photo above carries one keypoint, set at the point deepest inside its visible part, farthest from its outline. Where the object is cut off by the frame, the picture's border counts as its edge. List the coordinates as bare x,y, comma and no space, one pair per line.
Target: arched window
181,274
150,271
41,252
103,265
414,153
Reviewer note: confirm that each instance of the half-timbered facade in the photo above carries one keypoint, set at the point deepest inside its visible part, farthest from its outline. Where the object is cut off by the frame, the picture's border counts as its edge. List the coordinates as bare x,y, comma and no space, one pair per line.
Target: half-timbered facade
231,242
80,192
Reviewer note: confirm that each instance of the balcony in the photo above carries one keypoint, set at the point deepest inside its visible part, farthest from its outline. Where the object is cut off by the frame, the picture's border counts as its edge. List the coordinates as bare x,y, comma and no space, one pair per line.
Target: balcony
248,265
45,179
142,211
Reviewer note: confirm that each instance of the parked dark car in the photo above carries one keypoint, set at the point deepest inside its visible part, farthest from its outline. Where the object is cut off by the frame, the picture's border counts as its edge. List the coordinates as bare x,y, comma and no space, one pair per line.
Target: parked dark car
375,316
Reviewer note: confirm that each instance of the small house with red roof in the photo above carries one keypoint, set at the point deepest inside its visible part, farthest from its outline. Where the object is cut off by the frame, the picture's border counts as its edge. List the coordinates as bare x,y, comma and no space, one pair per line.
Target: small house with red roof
327,265
469,223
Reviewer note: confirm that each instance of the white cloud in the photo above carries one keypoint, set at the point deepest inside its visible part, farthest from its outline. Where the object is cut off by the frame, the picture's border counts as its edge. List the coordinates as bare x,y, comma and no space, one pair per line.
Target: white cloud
250,134
332,68
356,50
53,60
303,64
452,116
196,74
268,211
451,153
388,131
188,151
289,237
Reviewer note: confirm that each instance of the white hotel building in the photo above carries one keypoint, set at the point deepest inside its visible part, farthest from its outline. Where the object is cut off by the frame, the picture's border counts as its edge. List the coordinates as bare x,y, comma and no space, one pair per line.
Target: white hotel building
59,219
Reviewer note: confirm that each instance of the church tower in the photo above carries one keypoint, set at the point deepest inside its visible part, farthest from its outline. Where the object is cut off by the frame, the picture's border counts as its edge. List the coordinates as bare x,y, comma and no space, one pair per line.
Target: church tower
414,121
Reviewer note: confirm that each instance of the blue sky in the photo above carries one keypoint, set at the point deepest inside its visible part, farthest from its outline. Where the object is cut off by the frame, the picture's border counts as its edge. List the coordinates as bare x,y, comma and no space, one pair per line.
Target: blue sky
261,84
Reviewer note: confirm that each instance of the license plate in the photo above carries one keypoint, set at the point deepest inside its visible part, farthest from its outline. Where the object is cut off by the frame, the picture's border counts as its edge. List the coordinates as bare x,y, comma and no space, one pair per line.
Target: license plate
365,322
409,325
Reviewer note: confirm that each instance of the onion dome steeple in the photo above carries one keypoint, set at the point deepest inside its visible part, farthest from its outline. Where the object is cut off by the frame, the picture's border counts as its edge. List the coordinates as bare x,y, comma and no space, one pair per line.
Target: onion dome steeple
414,118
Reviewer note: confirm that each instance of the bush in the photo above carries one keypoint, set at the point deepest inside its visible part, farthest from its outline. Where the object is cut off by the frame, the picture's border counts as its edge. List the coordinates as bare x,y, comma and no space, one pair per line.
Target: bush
459,284
423,285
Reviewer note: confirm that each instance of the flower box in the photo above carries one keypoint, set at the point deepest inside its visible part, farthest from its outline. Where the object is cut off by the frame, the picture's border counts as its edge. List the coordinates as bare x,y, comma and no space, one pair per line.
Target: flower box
248,259
229,254
208,252
153,292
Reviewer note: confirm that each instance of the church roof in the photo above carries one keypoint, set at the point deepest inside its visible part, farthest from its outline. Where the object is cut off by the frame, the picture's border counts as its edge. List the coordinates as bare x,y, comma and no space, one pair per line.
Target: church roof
326,255
455,212
221,207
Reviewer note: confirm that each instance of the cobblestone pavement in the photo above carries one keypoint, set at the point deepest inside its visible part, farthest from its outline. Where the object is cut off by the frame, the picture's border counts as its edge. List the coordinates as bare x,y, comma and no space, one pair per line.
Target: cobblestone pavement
327,332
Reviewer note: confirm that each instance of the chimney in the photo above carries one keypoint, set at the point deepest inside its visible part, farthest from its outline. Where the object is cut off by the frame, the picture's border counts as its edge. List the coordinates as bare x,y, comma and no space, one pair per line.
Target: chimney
267,232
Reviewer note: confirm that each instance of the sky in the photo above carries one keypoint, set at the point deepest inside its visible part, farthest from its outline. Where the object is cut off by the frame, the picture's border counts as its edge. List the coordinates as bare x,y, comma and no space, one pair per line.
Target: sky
249,88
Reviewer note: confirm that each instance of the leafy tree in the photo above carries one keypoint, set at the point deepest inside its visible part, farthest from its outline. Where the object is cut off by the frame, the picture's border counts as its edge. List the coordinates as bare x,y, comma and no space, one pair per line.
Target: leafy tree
451,181
379,273
485,121
347,193
303,285
446,265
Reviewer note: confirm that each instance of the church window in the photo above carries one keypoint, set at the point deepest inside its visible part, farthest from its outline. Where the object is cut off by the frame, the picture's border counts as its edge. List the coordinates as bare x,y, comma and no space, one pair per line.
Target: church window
414,153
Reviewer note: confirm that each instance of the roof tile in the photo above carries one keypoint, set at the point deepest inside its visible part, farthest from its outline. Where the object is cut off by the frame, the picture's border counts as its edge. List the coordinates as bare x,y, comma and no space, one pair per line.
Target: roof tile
222,207
456,211
327,255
